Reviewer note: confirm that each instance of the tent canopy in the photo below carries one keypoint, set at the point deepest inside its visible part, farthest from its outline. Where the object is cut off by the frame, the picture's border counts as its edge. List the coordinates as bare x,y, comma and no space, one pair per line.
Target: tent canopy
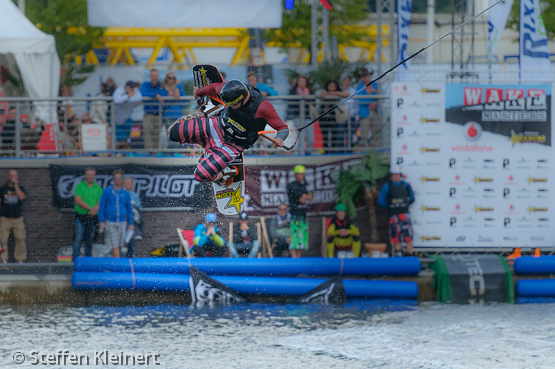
35,54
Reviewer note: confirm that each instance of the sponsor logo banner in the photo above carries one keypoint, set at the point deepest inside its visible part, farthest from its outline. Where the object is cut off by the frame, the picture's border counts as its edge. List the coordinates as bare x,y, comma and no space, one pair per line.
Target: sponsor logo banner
478,163
157,186
266,187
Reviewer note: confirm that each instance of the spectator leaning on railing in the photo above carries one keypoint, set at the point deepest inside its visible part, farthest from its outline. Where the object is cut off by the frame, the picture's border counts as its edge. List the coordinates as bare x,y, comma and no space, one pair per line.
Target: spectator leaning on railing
152,121
351,104
126,98
8,131
266,90
367,110
100,111
302,88
173,109
334,123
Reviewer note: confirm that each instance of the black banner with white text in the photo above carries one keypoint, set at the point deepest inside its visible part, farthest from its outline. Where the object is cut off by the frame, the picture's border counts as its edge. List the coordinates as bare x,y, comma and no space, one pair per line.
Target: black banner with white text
157,186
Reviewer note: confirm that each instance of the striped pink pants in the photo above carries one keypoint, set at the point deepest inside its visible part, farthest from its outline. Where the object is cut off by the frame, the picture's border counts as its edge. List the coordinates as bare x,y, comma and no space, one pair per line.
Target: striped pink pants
208,133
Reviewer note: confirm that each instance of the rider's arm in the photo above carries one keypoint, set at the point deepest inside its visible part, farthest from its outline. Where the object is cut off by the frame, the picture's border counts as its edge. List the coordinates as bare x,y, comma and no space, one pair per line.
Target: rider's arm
211,89
267,111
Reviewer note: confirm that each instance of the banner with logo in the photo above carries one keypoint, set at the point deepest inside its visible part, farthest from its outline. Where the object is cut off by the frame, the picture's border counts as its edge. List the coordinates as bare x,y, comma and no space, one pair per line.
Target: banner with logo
533,49
266,187
404,8
171,187
479,160
497,20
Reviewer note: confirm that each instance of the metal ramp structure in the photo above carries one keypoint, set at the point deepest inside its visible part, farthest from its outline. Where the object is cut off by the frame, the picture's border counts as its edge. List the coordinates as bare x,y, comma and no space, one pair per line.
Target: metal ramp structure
181,42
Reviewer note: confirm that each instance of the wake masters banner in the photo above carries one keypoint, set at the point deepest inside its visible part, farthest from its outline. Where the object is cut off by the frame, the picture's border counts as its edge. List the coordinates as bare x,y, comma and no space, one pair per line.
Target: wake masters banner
160,187
479,158
266,186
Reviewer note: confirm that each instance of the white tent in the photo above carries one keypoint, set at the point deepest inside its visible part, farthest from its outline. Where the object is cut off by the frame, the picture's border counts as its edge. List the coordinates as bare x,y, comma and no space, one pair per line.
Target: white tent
35,55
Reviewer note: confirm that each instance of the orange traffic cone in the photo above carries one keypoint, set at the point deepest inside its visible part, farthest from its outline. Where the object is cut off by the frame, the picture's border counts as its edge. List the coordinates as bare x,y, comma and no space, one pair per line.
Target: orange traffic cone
537,253
516,254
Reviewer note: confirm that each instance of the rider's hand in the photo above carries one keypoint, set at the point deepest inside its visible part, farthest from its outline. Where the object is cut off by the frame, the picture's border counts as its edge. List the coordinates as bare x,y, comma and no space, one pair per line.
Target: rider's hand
195,89
278,142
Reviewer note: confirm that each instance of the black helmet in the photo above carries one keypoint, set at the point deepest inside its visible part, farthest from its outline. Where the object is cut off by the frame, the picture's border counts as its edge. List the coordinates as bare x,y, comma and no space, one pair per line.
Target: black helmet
233,92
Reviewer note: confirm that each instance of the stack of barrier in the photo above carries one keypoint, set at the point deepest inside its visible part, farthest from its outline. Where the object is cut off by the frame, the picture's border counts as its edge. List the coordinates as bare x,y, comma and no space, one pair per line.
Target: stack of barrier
531,265
248,276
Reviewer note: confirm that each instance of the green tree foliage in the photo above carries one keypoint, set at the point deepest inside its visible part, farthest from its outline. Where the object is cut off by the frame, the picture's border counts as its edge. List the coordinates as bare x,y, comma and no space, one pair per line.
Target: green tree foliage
356,180
362,181
296,27
67,21
548,15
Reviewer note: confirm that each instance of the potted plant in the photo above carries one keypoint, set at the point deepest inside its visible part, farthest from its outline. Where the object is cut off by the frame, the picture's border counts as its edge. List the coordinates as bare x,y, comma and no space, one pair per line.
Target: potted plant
362,181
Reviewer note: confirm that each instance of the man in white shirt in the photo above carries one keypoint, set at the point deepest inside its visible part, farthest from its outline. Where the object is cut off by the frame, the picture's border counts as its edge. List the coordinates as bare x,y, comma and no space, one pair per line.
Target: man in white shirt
126,99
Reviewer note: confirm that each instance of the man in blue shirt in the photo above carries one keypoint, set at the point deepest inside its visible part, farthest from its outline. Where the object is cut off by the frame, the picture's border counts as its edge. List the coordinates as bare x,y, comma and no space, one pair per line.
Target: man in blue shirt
397,195
265,89
367,109
152,120
115,213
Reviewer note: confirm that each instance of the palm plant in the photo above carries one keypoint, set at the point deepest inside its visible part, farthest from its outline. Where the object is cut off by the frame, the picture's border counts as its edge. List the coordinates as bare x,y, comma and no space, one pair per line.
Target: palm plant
362,181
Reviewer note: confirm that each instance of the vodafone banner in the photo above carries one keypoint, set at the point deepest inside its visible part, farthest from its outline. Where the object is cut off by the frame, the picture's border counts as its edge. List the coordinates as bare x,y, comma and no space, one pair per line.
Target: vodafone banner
479,160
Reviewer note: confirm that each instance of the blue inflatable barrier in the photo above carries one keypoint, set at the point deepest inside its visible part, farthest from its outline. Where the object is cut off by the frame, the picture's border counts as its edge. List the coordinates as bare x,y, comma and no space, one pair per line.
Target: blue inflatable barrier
535,265
280,286
535,288
254,267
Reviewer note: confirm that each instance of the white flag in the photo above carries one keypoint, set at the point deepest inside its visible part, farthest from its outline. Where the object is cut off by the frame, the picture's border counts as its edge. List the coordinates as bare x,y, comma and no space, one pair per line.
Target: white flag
404,8
533,50
497,20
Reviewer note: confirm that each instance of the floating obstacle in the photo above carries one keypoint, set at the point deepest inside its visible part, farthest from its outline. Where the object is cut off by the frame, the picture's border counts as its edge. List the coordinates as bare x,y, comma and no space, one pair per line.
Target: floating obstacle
271,277
535,265
535,288
255,267
279,286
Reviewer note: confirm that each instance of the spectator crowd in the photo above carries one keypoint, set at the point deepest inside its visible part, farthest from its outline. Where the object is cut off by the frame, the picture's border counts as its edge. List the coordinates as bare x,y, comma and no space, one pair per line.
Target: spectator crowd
137,114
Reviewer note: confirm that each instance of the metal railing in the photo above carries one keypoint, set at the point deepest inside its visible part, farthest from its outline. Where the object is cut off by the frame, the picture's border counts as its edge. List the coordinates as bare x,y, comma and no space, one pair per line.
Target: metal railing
24,134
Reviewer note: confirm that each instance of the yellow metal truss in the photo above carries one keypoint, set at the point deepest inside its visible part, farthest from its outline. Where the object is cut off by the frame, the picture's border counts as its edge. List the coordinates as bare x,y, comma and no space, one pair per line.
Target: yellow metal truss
181,41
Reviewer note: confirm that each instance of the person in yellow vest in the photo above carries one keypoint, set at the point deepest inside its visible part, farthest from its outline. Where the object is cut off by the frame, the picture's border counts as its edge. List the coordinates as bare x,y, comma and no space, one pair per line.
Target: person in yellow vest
343,235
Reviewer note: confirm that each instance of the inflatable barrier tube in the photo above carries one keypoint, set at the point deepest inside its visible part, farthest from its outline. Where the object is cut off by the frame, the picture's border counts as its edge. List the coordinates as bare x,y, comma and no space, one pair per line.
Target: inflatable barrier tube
254,267
281,286
535,265
535,288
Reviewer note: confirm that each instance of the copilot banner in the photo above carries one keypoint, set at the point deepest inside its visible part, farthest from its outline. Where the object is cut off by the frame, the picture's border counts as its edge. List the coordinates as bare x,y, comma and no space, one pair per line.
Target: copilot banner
480,161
